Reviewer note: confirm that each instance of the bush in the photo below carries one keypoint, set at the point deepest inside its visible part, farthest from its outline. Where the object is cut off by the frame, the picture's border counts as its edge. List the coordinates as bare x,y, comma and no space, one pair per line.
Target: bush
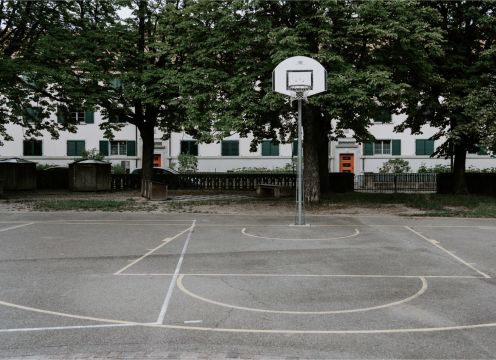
92,154
437,169
187,163
395,166
118,169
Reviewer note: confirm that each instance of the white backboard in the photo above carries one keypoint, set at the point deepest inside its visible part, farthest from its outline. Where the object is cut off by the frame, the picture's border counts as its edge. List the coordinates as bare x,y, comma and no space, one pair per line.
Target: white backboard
299,70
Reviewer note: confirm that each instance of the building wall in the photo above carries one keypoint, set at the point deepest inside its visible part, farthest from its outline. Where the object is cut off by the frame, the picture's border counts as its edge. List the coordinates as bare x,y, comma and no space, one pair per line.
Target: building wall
211,160
55,151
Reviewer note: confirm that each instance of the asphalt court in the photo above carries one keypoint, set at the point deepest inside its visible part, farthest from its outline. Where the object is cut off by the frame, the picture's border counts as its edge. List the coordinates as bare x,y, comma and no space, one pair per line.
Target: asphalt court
249,275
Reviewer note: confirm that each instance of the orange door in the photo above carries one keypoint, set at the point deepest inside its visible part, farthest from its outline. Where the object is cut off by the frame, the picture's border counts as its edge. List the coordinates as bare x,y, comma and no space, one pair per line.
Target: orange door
157,160
347,163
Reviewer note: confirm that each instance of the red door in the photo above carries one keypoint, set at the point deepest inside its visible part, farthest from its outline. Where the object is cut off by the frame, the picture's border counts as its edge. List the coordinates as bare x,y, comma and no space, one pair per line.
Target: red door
347,163
157,160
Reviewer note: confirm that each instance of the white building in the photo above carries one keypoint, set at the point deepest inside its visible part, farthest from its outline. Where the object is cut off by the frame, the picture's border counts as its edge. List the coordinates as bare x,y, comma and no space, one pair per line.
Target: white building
233,152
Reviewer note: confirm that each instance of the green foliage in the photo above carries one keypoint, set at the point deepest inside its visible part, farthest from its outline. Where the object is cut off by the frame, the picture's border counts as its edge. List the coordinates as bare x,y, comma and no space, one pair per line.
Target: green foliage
434,169
118,169
92,154
395,166
40,167
285,169
187,163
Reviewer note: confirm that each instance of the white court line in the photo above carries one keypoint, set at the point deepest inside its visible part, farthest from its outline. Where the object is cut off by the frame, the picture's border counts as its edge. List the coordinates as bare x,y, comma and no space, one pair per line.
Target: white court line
16,227
257,331
181,286
436,244
168,296
164,242
75,327
243,231
315,275
108,223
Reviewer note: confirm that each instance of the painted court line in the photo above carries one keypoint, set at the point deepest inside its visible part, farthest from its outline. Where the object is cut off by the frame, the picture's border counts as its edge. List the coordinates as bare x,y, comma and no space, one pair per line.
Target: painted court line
423,288
168,296
258,331
75,327
315,275
164,242
436,244
16,227
243,231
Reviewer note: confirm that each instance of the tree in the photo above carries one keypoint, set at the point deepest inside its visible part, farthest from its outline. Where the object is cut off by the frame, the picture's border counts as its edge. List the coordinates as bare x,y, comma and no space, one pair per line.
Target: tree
92,59
232,47
446,91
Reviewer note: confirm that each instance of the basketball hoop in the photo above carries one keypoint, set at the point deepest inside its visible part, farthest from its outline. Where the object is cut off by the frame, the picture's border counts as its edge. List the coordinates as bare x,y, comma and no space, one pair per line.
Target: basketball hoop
298,92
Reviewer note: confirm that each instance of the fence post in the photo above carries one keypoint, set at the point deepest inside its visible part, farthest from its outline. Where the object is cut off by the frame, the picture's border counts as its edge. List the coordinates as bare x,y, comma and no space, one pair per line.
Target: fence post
395,179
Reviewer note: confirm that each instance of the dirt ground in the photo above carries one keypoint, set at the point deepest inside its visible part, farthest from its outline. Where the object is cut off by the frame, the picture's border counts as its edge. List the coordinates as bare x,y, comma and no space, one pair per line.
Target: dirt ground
238,203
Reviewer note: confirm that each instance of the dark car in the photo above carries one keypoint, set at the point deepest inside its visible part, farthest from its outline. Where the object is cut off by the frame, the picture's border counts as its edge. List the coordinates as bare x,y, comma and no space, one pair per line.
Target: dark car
157,171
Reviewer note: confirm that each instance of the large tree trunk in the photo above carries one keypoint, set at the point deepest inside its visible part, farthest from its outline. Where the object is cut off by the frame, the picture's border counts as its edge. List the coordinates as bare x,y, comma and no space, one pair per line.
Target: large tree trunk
147,136
459,181
323,144
311,156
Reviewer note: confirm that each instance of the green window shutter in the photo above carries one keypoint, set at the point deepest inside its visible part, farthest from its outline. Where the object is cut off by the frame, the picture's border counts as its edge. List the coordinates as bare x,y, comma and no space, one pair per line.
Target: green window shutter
295,147
184,147
419,147
131,148
266,148
482,151
396,147
27,148
71,148
60,116
429,147
368,149
89,117
104,147
230,148
32,114
274,149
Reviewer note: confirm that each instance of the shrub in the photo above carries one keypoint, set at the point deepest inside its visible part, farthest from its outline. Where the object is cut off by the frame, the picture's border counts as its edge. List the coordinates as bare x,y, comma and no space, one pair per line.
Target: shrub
118,169
395,166
187,163
437,169
92,154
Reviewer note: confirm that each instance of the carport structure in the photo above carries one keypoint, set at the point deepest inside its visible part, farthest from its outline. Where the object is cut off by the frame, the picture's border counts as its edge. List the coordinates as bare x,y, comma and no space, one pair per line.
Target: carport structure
370,286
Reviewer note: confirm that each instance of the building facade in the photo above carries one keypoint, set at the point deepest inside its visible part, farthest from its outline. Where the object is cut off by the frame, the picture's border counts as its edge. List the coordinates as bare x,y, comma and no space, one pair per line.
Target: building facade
345,155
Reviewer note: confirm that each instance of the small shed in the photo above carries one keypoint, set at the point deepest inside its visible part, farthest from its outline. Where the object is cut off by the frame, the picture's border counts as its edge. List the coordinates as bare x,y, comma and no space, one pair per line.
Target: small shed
90,175
18,174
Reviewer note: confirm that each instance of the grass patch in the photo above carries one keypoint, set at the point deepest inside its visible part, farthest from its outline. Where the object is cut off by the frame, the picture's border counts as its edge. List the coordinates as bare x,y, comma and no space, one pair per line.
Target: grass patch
102,205
429,204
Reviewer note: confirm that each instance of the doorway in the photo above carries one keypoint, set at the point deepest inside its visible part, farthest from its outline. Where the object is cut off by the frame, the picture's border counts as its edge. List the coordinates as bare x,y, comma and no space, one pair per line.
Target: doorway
157,160
347,163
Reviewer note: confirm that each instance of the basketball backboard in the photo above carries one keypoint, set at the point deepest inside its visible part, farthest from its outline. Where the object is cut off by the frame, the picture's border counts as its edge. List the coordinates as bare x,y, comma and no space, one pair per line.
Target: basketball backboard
299,71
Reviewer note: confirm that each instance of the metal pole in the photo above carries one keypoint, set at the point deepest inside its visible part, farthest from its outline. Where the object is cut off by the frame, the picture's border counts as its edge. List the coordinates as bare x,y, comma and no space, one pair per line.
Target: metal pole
299,192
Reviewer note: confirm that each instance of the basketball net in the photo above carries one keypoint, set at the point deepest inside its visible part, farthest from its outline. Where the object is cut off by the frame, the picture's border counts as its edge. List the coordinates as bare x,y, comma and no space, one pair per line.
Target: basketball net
298,92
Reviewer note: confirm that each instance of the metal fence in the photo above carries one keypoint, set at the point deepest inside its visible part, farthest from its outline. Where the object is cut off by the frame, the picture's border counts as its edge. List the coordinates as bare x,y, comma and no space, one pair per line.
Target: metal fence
396,183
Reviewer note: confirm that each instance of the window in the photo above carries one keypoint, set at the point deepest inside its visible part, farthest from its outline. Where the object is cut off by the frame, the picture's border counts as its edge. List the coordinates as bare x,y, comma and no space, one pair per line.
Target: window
127,148
269,148
189,147
32,114
383,116
75,147
230,148
118,147
32,147
76,116
424,147
382,147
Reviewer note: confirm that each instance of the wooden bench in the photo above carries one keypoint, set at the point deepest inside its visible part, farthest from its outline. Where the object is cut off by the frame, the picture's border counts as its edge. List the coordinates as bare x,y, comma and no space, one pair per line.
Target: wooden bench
263,189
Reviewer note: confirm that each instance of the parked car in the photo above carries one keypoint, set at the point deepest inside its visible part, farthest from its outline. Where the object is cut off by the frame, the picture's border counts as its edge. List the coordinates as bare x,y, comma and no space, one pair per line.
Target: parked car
157,171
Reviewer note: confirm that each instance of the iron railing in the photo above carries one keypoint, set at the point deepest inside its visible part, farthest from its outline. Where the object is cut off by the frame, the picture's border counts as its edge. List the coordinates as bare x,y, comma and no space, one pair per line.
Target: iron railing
396,183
